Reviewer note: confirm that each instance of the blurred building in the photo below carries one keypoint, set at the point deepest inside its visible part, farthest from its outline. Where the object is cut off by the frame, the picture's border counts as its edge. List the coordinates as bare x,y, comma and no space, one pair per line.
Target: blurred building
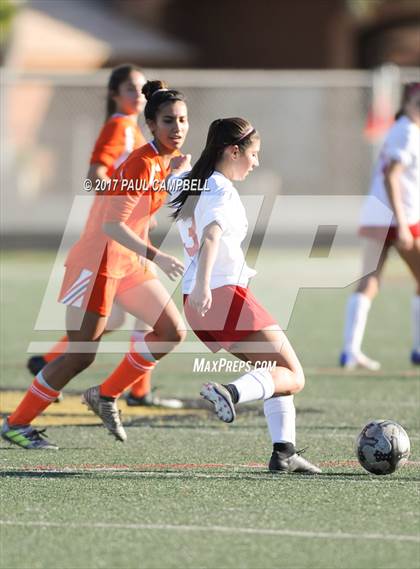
289,34
53,92
86,34
242,34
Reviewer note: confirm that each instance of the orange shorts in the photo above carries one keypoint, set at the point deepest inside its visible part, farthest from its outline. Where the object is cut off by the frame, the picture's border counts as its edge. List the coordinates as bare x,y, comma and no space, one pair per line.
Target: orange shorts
83,289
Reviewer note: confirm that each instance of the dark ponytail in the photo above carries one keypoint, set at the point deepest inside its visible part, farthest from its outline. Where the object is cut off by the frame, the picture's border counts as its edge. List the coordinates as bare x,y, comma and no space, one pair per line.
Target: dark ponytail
222,133
409,89
118,75
158,94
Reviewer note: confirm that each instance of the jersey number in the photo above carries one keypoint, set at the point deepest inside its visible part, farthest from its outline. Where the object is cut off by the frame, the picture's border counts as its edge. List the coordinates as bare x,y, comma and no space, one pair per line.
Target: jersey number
191,242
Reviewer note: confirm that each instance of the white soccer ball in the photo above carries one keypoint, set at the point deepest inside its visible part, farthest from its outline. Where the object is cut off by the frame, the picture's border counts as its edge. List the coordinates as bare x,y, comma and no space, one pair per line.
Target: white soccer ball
382,447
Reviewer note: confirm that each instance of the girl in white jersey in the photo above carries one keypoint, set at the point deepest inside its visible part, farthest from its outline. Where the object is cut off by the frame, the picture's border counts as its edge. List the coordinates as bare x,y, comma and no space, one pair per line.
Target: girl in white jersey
396,183
219,307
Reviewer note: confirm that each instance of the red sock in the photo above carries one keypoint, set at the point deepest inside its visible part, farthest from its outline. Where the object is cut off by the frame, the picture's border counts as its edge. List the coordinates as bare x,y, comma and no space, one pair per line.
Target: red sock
35,401
126,374
142,386
58,349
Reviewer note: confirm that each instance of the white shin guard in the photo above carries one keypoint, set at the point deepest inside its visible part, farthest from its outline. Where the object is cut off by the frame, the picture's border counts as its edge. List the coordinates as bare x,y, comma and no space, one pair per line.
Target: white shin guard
415,318
254,385
358,306
280,414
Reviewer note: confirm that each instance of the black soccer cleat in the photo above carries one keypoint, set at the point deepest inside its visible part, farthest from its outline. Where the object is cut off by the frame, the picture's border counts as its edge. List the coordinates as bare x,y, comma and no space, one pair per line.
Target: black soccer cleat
280,463
415,357
35,364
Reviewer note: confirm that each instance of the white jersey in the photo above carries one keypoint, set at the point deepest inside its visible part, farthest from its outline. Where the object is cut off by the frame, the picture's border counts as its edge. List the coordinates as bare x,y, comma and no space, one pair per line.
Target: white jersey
220,203
402,144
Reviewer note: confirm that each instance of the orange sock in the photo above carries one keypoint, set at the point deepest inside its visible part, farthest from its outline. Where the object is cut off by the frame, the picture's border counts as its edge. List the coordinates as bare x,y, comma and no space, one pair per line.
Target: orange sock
58,349
143,385
35,401
127,373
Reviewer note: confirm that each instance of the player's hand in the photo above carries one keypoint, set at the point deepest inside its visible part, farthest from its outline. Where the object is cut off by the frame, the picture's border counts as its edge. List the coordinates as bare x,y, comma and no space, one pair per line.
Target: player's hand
171,266
405,240
152,223
180,164
200,299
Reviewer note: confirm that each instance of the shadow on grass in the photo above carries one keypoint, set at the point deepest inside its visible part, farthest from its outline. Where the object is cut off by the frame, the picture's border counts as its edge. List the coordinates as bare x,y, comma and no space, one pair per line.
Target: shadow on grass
202,474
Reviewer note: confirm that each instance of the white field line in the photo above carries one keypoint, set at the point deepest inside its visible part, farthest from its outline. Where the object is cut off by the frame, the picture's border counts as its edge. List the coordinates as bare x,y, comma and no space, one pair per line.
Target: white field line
220,529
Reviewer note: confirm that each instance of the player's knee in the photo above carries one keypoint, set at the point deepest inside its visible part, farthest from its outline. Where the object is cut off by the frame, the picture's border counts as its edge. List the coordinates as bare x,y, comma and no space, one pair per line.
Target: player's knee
176,336
171,334
299,381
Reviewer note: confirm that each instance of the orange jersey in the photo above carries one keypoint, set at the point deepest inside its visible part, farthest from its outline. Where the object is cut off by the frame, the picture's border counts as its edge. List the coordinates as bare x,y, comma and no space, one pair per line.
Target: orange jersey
138,192
119,136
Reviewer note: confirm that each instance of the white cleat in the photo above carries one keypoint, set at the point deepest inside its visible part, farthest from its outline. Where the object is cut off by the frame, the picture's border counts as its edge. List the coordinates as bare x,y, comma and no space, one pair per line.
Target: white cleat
358,361
221,399
106,410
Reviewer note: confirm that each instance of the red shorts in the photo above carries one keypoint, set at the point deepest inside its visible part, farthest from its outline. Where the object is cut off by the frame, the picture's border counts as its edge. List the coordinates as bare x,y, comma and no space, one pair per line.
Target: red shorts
234,314
81,288
387,234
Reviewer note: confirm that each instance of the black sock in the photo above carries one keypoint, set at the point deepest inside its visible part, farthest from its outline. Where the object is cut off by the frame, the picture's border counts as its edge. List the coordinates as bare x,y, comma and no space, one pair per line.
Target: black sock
234,393
285,449
107,398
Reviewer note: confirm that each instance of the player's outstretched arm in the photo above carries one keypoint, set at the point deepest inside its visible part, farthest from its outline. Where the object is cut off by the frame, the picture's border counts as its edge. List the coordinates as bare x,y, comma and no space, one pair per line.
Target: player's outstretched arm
121,233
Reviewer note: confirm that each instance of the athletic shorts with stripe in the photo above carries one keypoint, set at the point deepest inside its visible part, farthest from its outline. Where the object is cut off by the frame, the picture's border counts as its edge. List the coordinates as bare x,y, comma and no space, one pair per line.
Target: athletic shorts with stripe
82,288
235,313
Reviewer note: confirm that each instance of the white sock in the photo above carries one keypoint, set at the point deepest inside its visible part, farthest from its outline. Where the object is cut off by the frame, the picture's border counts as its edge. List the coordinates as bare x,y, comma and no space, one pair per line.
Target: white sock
358,306
40,379
415,315
280,414
140,346
254,385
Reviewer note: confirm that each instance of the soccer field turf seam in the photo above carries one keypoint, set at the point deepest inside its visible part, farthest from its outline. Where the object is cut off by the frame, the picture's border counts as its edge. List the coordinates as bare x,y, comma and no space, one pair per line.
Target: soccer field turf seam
221,529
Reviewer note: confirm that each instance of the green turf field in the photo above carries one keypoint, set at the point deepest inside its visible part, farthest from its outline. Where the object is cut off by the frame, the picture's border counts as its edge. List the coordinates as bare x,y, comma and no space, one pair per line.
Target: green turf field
187,491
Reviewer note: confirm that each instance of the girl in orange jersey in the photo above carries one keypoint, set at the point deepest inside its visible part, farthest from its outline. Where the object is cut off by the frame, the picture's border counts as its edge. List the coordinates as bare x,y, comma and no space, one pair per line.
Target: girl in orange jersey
103,266
119,136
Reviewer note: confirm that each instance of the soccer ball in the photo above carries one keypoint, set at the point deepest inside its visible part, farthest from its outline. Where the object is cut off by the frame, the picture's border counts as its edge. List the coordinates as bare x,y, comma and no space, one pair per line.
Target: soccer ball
382,447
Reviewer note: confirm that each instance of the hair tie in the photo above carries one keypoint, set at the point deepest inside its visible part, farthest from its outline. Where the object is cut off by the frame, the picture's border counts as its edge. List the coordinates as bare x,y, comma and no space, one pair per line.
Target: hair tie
250,131
159,91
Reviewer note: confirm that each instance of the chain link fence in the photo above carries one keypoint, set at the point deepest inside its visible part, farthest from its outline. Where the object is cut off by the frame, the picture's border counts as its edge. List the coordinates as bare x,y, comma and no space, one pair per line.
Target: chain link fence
311,124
